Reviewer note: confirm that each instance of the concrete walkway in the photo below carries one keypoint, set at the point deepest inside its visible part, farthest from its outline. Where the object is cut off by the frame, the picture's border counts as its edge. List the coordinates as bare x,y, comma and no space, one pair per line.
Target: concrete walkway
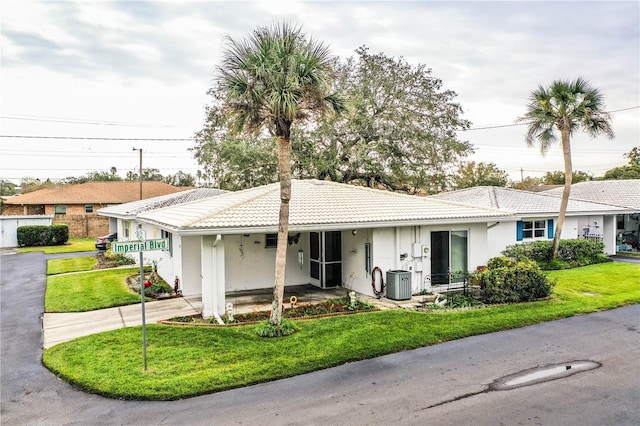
62,327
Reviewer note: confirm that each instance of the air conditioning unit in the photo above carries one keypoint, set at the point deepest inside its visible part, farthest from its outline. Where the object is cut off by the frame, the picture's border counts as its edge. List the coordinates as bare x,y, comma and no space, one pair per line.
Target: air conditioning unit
398,285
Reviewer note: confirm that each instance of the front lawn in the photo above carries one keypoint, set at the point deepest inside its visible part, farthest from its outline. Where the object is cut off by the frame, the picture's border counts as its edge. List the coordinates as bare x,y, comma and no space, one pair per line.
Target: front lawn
187,361
87,291
72,246
71,264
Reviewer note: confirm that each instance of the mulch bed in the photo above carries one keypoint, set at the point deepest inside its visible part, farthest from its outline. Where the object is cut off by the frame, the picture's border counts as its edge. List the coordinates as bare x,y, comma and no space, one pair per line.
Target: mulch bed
302,312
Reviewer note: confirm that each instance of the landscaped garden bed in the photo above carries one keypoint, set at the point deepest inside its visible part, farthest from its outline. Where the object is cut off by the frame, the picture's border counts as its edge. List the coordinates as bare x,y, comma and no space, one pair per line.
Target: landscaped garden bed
332,307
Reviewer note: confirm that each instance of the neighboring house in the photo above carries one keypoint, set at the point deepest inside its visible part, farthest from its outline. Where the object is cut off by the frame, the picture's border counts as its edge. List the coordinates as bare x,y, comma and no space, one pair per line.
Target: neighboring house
123,220
538,212
76,205
339,235
624,193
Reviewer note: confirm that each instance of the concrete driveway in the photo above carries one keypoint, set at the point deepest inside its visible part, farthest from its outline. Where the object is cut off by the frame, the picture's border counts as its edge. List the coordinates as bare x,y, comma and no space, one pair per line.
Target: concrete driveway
446,384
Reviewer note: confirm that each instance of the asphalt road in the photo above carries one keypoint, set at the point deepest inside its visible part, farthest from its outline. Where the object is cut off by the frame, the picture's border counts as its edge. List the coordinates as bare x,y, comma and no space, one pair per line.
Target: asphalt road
447,384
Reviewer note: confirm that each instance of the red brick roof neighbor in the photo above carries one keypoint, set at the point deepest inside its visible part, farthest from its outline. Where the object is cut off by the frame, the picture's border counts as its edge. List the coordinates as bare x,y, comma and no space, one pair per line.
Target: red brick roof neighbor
96,193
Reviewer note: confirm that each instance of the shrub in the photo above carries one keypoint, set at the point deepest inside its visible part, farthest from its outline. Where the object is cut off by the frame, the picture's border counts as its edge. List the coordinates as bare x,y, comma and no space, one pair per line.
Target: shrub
118,259
571,253
266,329
35,235
60,233
509,281
42,235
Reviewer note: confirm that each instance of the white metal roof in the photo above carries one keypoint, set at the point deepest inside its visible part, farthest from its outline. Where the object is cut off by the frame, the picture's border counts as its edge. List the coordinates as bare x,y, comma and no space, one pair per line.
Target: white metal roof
625,193
314,204
526,202
130,210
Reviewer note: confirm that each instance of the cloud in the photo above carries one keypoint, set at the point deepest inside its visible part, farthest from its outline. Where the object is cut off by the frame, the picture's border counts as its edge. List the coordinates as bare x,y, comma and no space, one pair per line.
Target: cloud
135,61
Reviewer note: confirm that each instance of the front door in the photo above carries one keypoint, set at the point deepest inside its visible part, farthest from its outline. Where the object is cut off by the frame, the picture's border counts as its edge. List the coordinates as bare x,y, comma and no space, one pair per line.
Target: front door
449,257
325,257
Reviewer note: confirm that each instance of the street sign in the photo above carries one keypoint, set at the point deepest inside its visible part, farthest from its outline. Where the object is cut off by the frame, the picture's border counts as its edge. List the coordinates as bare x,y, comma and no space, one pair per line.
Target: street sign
124,247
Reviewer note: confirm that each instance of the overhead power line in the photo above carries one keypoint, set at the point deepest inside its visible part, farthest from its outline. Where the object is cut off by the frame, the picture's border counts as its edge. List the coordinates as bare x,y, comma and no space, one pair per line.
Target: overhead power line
79,121
499,126
96,138
192,139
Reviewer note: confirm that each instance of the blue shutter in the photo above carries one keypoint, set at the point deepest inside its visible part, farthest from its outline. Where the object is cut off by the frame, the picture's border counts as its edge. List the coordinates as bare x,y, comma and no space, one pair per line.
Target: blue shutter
550,229
519,230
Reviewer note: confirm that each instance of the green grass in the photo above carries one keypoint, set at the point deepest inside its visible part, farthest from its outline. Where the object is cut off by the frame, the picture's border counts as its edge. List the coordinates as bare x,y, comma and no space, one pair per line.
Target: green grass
187,361
87,291
71,264
72,246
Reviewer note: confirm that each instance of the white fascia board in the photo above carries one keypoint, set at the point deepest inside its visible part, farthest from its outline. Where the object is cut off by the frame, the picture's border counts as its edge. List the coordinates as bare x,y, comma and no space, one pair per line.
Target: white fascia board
581,213
332,227
118,215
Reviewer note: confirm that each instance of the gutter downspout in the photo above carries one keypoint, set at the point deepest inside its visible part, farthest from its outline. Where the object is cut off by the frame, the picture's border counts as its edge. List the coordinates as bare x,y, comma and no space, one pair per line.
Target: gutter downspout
214,297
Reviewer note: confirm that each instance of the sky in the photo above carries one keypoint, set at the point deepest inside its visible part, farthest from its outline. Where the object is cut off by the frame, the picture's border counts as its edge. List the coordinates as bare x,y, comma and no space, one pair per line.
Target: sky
81,80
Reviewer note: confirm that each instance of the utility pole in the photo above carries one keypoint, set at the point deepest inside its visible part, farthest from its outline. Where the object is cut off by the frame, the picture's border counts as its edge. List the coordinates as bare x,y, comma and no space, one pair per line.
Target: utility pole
140,149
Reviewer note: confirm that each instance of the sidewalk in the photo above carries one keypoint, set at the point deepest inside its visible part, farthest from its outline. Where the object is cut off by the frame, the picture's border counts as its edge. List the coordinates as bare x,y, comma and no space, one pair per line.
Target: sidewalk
62,327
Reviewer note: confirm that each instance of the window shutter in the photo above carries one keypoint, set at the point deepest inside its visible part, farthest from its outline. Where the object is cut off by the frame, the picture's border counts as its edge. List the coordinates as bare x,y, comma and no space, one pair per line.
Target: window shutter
519,230
550,229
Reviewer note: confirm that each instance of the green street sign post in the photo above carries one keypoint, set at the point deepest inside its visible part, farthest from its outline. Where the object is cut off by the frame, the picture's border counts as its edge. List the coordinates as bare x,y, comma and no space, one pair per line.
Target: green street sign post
142,245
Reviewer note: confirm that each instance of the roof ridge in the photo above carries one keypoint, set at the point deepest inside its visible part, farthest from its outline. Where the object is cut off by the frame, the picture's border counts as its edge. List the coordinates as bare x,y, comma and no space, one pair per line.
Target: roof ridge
493,198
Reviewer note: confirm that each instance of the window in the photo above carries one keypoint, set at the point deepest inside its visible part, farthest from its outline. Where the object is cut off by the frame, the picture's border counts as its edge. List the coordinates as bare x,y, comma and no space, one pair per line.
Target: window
88,208
60,209
534,229
271,241
125,228
449,256
168,235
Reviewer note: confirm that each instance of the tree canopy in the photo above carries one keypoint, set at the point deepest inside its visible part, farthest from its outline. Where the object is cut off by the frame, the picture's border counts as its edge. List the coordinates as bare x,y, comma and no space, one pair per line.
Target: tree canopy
399,133
472,174
630,171
558,177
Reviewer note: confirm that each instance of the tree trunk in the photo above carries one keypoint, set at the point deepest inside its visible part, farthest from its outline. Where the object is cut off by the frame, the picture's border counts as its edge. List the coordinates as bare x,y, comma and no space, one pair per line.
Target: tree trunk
568,177
284,166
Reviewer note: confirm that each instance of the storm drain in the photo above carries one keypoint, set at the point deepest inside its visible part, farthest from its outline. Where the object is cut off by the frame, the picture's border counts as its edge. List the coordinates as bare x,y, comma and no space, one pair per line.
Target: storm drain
529,377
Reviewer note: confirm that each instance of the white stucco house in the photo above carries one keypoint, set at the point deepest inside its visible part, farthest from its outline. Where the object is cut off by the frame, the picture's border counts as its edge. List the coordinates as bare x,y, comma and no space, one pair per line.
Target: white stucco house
624,193
123,219
338,235
342,235
538,215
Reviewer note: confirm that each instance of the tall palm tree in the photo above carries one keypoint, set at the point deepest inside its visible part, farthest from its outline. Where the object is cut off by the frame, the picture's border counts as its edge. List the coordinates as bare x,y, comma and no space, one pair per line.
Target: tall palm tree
566,106
270,80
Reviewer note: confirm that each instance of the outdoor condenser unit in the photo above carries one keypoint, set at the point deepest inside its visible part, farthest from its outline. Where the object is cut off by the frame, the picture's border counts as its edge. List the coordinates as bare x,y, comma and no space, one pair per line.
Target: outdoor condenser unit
398,285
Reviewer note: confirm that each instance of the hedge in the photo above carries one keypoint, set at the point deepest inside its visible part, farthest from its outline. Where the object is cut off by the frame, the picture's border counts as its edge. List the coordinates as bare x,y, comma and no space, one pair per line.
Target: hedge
571,253
41,235
506,280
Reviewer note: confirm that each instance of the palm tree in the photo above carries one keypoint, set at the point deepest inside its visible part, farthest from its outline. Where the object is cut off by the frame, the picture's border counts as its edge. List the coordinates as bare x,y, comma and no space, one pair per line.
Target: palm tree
566,106
269,81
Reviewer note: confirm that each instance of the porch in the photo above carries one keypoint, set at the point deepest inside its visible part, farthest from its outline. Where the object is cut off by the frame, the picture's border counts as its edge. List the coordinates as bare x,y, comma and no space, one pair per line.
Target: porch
260,300
245,301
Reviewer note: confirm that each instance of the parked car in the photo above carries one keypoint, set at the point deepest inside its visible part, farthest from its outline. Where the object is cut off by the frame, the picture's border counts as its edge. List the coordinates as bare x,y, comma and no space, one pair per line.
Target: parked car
101,242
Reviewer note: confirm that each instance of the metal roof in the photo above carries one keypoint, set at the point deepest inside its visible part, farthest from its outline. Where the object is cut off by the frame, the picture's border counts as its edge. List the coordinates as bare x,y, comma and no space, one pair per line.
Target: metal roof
135,207
625,193
526,202
314,204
